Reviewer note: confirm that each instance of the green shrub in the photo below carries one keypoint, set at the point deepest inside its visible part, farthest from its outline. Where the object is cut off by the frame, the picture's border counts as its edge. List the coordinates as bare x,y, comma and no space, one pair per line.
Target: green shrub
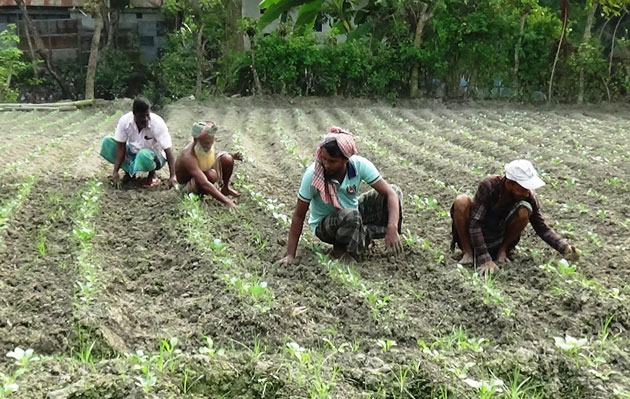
115,73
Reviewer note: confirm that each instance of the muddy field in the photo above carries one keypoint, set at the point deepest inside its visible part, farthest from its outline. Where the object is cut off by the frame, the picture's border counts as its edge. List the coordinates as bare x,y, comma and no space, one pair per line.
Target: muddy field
137,293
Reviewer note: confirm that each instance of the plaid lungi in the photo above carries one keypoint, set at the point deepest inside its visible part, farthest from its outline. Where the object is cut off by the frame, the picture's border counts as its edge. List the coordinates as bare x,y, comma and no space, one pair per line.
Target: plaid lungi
354,229
494,229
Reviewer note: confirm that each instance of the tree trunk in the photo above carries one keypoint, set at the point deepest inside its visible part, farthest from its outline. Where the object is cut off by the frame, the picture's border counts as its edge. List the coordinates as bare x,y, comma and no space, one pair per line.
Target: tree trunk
423,17
517,50
112,28
612,44
43,51
235,13
91,69
200,59
585,39
555,61
30,50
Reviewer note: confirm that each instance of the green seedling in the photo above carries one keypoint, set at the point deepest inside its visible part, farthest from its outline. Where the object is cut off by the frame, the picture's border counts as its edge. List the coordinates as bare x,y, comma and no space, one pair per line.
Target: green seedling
604,331
143,363
570,345
570,182
565,269
41,242
613,181
582,208
167,354
602,213
411,240
209,349
385,344
461,372
23,358
594,238
218,247
517,389
486,389
298,352
376,302
259,242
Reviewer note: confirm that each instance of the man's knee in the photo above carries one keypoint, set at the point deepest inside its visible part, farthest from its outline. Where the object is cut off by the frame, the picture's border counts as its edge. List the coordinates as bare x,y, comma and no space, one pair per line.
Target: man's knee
227,160
462,203
108,149
523,213
349,216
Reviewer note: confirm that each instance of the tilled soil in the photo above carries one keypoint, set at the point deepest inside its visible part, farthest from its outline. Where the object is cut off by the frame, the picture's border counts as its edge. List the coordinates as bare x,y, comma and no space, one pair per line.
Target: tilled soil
413,326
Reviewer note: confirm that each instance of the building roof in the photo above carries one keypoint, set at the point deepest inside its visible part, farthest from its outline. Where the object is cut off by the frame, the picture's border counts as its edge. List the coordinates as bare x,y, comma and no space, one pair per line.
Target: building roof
76,3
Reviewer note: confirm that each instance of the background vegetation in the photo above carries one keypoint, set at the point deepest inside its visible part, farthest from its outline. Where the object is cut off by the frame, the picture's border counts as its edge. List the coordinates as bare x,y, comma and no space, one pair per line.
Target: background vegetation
532,50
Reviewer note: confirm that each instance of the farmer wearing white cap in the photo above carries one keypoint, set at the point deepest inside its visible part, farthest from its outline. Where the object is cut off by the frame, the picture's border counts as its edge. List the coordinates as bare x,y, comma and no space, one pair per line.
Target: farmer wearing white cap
488,227
201,170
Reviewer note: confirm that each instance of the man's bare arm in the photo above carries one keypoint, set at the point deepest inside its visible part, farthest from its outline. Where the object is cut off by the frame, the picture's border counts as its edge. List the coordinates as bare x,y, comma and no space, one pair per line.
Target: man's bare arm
121,149
297,224
393,214
170,158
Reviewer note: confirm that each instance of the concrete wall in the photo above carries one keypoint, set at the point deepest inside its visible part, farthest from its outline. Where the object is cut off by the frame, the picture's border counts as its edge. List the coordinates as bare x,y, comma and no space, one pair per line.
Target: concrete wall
68,31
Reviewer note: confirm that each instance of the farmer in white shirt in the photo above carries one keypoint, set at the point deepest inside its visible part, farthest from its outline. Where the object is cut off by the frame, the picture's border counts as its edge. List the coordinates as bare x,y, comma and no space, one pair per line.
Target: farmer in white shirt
141,144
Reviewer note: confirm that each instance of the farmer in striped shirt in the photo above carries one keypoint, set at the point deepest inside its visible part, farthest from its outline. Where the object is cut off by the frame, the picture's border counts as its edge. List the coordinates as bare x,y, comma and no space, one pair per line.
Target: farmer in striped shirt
338,214
488,227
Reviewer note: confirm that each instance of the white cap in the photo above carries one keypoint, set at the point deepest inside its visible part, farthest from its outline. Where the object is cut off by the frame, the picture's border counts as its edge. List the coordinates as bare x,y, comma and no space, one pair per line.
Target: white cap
522,171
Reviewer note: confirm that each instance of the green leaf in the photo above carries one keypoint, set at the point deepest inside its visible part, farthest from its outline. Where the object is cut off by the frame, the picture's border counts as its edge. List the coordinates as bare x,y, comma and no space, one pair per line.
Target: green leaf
275,9
308,13
360,31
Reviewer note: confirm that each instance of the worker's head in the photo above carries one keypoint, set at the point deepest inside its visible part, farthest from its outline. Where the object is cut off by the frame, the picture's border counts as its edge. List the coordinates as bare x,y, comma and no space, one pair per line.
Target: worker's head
332,158
203,134
141,112
521,176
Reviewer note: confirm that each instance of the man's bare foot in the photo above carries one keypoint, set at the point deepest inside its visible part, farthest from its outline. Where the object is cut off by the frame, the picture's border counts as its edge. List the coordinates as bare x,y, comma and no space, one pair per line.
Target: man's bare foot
467,259
226,190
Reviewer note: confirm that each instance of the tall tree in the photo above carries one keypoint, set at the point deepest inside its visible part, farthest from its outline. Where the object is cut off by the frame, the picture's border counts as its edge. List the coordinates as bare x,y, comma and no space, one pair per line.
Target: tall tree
203,18
592,7
43,51
94,7
565,23
419,12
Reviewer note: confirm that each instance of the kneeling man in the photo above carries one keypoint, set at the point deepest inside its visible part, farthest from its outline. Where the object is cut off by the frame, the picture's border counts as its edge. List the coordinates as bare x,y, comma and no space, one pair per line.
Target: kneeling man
489,226
339,215
201,170
141,143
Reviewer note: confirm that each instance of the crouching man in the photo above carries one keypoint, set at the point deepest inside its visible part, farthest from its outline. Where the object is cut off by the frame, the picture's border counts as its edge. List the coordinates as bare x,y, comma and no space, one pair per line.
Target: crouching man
489,226
338,214
141,143
202,170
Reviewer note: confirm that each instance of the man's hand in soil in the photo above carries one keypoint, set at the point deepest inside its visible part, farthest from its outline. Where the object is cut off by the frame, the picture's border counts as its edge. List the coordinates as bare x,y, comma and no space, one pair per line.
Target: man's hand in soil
237,155
114,179
572,253
392,241
288,260
172,181
488,267
231,206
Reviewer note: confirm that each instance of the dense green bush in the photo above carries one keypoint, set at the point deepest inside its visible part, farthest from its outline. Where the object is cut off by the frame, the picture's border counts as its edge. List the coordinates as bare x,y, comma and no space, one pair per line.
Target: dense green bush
176,69
351,68
116,74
